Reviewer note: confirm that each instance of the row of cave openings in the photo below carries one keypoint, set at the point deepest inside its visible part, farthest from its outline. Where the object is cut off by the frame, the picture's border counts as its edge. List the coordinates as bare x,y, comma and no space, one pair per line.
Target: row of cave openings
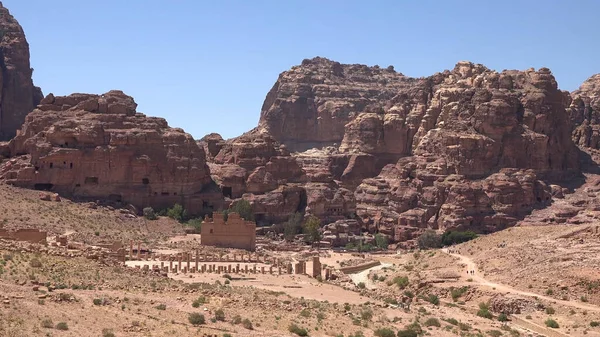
91,181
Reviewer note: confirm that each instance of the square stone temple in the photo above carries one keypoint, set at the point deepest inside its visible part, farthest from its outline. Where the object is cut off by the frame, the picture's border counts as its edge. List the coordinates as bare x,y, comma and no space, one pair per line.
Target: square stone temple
233,233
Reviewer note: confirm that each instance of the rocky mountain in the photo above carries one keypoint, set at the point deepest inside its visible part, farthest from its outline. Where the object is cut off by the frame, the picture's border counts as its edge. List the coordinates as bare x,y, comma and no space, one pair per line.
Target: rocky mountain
18,95
99,147
467,148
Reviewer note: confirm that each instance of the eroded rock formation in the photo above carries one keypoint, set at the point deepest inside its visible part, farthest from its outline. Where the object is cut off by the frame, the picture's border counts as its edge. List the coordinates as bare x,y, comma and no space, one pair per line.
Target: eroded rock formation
18,95
98,146
585,113
468,148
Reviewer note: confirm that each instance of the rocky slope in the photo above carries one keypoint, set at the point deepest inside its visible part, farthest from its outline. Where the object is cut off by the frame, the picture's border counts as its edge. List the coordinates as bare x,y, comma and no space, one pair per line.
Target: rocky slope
468,148
18,95
98,146
585,113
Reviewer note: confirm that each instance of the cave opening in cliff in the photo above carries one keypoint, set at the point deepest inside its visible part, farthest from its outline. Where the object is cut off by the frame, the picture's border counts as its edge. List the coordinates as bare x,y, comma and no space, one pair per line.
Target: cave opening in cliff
91,181
145,181
227,191
43,187
260,219
115,198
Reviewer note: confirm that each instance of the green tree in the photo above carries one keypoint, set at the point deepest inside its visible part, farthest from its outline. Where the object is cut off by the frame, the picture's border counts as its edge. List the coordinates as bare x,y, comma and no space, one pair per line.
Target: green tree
293,226
381,241
311,229
429,239
177,212
243,208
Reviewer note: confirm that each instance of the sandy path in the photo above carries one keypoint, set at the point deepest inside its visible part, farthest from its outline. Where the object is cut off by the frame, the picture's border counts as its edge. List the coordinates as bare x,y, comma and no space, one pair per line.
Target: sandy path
477,278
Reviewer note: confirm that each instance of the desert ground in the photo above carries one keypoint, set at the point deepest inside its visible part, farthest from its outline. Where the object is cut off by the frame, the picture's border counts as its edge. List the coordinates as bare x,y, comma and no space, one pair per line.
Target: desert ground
69,291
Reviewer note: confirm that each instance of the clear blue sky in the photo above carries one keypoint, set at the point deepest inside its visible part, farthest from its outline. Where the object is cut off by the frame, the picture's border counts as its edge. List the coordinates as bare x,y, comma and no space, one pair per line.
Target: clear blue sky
206,66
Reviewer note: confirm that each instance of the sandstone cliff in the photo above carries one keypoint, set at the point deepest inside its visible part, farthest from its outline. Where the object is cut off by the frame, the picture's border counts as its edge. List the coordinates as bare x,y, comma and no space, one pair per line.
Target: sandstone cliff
18,95
98,146
585,113
466,148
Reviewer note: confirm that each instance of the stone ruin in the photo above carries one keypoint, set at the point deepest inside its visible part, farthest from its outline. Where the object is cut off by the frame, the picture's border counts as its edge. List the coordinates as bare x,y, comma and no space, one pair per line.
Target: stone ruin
233,233
28,235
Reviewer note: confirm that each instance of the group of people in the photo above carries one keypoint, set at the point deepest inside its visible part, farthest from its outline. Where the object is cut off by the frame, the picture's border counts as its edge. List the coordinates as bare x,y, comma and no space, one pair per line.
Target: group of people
471,272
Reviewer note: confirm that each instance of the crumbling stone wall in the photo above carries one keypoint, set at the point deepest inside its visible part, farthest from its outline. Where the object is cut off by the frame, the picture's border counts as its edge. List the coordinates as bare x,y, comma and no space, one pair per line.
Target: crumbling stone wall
29,235
233,233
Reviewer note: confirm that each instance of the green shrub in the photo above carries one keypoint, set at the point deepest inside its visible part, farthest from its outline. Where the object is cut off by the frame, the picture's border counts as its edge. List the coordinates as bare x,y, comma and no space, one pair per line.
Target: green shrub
366,314
247,324
107,333
237,319
381,241
293,328
551,323
494,333
62,326
594,324
503,318
149,213
35,263
433,299
385,332
196,224
401,281
484,311
550,310
432,322
199,301
429,239
407,333
177,213
305,313
456,293
452,321
220,315
454,237
97,301
196,318
361,285
243,208
161,307
47,323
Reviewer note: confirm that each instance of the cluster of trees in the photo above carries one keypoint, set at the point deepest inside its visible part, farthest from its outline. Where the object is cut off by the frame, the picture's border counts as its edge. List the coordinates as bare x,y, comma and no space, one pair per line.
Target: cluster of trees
431,239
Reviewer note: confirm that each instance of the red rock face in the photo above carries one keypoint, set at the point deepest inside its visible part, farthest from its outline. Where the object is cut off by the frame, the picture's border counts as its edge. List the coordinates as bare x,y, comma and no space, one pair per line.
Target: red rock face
468,148
97,146
585,113
18,94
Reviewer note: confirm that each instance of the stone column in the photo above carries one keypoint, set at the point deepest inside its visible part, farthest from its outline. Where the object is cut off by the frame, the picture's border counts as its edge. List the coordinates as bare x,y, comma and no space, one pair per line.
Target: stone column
262,269
188,255
279,270
197,258
179,261
254,269
229,268
237,268
271,270
139,251
289,268
246,269
171,263
162,265
131,249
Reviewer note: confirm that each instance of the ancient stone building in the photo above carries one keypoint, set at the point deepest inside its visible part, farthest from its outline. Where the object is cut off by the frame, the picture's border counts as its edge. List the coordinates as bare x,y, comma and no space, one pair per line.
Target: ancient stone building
99,147
233,233
25,234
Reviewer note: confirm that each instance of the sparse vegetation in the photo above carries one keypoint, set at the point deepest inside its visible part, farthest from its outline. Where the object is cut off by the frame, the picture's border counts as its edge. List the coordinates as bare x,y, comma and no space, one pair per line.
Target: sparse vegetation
551,323
293,328
484,311
429,239
62,326
432,322
196,318
450,238
149,213
246,323
384,332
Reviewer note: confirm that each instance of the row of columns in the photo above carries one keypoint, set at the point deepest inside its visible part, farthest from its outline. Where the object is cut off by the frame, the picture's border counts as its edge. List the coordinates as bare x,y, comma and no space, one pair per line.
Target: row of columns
204,257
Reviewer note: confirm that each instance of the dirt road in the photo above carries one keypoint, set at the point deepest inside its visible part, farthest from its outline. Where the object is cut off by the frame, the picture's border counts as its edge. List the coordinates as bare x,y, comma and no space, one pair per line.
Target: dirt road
479,279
